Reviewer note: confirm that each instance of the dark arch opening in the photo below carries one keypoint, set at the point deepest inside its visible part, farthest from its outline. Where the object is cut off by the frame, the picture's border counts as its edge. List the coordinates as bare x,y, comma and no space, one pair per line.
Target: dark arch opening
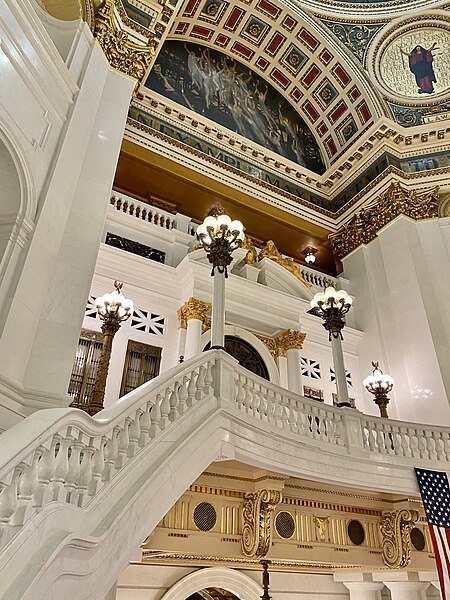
245,354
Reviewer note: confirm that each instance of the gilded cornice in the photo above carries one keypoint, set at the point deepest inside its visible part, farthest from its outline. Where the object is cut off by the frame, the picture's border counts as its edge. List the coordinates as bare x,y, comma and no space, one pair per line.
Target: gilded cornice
366,223
121,53
194,309
271,252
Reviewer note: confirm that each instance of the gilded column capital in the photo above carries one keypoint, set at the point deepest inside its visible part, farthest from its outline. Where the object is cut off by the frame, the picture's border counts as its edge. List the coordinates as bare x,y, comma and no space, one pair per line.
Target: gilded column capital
395,530
122,54
257,512
291,339
366,223
194,309
270,344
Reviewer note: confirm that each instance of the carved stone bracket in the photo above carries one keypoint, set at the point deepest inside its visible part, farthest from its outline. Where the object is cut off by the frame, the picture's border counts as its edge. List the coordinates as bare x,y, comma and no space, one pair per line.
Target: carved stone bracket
288,340
395,529
395,201
257,517
270,251
121,53
194,309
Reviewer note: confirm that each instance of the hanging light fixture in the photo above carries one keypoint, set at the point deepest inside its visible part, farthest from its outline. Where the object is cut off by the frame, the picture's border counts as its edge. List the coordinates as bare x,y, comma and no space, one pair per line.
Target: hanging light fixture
309,253
379,384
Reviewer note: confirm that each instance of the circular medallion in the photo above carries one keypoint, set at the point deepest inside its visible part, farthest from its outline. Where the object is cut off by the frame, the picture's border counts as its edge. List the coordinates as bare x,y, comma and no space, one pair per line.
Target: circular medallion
205,516
285,525
415,64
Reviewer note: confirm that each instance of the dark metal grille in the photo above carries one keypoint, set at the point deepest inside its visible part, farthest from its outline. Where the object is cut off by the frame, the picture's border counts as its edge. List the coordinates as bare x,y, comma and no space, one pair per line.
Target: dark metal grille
285,525
141,364
356,532
135,247
246,355
85,366
205,516
417,539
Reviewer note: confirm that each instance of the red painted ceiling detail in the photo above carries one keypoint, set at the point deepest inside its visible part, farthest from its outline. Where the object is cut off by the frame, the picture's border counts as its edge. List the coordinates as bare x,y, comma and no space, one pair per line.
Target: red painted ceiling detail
263,34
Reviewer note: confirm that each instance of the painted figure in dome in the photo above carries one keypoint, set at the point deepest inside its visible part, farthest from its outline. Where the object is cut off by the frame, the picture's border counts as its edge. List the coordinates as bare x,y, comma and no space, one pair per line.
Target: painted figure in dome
420,62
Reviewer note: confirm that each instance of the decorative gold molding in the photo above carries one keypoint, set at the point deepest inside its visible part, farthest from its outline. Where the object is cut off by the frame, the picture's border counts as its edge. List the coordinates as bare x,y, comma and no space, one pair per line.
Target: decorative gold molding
270,251
150,556
395,529
291,339
366,223
122,54
88,13
257,512
322,525
288,340
252,253
194,309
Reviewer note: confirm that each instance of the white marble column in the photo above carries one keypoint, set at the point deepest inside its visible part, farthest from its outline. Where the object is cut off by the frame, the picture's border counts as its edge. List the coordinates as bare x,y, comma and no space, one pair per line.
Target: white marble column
289,345
192,316
364,590
193,338
407,590
339,370
218,310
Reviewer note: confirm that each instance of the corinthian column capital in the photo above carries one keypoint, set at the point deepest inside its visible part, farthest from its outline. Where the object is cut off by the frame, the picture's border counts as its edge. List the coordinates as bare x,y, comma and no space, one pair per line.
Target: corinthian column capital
193,309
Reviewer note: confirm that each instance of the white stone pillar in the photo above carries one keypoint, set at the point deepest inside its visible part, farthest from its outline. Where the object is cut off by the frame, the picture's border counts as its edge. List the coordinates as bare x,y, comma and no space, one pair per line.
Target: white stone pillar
407,590
293,371
193,338
192,315
364,590
218,310
339,369
289,345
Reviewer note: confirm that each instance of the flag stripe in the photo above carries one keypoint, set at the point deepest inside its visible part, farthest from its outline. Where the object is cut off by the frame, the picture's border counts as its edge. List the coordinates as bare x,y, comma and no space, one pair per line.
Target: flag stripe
442,571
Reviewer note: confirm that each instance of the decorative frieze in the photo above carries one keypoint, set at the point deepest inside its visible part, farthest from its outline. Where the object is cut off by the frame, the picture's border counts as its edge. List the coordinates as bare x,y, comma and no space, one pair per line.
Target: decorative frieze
395,530
257,513
194,309
122,54
366,223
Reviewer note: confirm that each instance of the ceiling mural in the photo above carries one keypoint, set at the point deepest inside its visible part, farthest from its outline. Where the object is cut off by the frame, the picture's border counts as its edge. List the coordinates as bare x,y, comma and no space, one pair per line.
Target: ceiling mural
226,91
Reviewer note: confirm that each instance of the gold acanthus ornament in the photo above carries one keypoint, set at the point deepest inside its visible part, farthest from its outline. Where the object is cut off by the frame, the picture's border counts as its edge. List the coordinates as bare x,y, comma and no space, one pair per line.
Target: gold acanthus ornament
288,340
271,252
121,53
194,309
257,514
252,253
366,223
395,530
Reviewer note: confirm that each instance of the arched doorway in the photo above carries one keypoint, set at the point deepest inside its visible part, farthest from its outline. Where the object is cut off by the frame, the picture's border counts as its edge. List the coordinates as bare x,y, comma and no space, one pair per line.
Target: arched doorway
246,355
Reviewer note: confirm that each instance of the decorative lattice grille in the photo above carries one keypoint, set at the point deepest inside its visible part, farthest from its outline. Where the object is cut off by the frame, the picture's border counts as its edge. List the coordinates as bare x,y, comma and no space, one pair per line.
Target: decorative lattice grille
205,516
285,525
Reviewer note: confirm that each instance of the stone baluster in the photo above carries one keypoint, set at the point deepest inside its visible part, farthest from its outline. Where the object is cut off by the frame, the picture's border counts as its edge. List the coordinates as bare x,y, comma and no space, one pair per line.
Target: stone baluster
98,467
123,440
28,483
191,389
46,471
192,317
134,433
165,410
61,468
145,425
85,474
157,423
110,455
200,384
8,504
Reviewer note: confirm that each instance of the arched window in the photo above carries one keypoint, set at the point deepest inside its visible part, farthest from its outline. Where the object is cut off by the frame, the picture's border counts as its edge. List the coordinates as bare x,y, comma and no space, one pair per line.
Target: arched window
245,354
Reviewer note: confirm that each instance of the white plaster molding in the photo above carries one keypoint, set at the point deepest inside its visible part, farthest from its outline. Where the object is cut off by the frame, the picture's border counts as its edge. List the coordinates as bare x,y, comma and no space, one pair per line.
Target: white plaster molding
233,581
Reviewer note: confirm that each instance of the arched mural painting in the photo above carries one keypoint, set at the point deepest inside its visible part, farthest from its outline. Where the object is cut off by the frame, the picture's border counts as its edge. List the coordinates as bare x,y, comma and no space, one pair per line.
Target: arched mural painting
229,93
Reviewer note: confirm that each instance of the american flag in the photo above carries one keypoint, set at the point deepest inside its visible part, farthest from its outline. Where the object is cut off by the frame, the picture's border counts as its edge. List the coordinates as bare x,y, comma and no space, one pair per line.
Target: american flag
435,492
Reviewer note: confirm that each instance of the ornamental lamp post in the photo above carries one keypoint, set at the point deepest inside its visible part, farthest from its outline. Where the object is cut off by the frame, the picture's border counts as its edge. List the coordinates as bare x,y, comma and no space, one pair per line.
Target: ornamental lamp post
379,384
220,236
331,306
265,580
113,308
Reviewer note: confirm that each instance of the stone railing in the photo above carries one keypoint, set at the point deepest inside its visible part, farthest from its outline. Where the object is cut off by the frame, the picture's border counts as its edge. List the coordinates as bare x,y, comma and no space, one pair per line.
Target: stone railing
150,214
61,455
315,278
84,469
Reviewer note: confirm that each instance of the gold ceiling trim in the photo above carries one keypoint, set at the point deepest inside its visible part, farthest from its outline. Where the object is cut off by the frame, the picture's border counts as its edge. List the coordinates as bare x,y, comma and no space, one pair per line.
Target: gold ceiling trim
366,223
156,556
122,54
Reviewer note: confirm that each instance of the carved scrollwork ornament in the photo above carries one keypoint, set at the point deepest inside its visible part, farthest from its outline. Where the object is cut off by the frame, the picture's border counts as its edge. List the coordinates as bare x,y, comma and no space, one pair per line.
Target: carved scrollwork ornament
395,529
122,54
257,513
366,223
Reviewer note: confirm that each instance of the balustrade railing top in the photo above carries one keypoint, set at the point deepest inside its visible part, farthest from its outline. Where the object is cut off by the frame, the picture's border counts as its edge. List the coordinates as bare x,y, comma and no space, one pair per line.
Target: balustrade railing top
63,455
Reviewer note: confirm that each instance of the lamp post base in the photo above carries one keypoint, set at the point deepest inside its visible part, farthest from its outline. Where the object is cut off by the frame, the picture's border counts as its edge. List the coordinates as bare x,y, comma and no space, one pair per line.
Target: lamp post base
382,402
